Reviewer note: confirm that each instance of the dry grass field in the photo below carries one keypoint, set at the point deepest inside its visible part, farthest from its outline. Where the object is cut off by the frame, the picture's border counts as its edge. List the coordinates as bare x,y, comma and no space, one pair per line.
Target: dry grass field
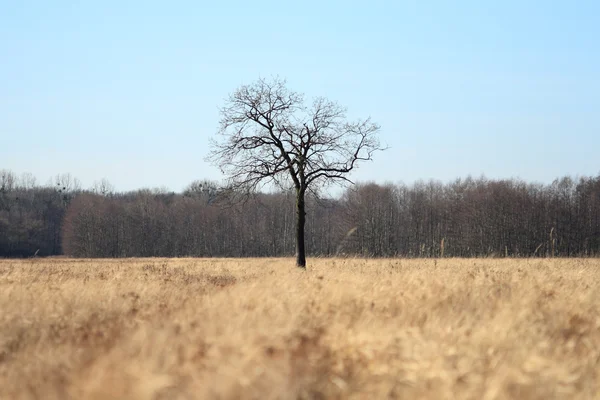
261,329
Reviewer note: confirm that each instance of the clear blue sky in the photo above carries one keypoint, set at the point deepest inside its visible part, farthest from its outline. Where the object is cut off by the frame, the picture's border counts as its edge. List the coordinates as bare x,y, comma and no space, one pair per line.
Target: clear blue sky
130,90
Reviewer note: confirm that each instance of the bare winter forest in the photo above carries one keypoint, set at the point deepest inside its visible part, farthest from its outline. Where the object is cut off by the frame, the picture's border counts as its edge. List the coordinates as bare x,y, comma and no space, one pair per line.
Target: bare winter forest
465,218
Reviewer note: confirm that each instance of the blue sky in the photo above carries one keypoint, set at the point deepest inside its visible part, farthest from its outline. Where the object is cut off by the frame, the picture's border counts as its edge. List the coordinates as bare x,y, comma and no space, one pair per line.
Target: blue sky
130,90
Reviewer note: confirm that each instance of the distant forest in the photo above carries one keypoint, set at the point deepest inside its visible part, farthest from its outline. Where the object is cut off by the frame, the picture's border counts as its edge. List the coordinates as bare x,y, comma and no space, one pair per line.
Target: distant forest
464,218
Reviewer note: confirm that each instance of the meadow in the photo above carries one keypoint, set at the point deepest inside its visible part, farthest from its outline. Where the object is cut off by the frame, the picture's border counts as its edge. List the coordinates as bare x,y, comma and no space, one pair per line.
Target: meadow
263,329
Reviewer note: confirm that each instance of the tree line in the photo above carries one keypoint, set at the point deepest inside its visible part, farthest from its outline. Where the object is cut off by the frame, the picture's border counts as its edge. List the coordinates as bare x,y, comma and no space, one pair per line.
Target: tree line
464,218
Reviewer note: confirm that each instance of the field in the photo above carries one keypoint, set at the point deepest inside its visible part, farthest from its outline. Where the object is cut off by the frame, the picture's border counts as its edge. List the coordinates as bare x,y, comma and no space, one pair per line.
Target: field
261,329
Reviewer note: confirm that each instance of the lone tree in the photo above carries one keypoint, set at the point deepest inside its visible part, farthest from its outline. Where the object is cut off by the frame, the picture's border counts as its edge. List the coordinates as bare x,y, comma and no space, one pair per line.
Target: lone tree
268,135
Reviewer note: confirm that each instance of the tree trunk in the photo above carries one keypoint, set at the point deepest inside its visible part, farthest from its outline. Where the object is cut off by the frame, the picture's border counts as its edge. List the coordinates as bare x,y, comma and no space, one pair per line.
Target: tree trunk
300,222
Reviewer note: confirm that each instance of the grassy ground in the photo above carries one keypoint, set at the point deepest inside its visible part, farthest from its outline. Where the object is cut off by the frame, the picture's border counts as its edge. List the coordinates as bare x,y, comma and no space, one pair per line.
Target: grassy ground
260,329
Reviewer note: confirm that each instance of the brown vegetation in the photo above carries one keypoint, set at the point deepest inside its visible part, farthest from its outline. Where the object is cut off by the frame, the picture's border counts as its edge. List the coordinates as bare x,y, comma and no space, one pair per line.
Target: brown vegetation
471,217
260,329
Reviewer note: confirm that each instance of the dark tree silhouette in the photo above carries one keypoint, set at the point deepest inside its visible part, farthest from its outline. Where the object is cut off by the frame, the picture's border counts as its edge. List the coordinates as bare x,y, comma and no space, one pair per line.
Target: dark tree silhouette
268,135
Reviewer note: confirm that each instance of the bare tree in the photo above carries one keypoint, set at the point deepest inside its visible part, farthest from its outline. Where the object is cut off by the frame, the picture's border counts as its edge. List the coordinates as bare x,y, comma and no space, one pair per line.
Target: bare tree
103,187
268,135
205,189
26,181
7,180
66,183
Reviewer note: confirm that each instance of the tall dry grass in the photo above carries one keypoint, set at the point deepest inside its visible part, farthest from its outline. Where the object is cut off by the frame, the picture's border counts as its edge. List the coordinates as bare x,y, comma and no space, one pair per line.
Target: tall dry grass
261,329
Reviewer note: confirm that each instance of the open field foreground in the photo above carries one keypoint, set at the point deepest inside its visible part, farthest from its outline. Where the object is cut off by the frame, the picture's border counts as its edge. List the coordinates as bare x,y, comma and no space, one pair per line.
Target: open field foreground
261,329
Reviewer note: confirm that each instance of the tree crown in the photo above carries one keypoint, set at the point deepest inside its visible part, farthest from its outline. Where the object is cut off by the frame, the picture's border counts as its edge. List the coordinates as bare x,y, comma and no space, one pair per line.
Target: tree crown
268,134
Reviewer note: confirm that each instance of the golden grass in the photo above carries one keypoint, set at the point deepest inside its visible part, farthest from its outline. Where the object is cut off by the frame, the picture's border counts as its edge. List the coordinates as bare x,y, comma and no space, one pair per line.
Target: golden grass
261,329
